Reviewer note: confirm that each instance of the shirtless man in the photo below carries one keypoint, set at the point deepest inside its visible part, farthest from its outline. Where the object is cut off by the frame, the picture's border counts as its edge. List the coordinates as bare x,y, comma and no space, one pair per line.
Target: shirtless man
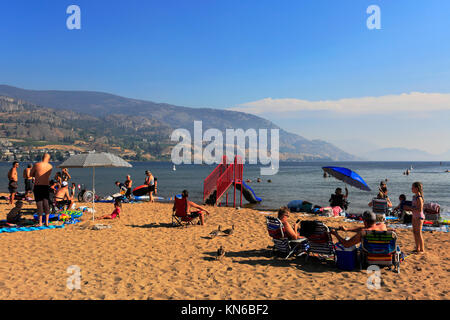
28,179
12,185
41,172
128,184
369,219
63,197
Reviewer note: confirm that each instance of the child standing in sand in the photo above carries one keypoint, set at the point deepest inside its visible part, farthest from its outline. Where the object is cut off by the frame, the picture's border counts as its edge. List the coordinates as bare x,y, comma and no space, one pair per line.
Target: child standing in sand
115,214
418,216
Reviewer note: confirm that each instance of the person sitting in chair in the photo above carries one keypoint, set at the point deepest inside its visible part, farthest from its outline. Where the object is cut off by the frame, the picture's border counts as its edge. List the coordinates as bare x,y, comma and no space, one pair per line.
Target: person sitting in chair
382,195
63,197
338,199
290,232
189,204
369,219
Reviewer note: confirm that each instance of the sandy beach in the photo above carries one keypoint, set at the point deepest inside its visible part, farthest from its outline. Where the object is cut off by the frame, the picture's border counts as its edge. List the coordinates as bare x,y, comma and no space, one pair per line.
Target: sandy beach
143,257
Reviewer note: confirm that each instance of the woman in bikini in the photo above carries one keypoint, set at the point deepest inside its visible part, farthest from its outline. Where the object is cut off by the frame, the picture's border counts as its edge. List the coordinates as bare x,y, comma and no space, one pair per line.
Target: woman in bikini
417,216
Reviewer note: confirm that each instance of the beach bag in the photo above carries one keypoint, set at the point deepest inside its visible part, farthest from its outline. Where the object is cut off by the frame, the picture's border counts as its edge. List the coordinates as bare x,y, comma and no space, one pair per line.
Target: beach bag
327,212
306,207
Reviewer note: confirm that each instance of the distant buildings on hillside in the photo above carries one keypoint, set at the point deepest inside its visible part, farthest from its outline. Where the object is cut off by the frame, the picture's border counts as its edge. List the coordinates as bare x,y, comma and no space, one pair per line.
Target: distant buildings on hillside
9,152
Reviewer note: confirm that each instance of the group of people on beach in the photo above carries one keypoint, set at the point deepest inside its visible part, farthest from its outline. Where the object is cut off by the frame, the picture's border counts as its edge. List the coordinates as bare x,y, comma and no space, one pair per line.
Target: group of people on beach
47,192
371,222
151,182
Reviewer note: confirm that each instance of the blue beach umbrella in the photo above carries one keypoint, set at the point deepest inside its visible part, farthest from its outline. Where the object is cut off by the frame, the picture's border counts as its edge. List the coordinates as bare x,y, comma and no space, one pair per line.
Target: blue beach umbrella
348,176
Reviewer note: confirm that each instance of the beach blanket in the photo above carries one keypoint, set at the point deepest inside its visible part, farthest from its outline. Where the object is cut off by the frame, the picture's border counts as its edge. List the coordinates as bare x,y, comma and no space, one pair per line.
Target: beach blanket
11,230
331,211
424,228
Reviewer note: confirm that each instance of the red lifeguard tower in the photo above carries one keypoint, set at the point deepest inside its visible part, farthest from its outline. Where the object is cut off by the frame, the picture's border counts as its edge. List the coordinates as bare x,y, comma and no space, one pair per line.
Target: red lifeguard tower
222,178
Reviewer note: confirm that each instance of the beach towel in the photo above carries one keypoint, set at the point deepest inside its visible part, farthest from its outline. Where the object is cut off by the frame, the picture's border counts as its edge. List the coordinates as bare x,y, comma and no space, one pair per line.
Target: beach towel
11,230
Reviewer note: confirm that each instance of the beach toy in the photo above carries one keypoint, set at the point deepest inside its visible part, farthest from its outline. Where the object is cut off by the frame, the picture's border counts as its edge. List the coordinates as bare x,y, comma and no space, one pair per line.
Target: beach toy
64,217
141,190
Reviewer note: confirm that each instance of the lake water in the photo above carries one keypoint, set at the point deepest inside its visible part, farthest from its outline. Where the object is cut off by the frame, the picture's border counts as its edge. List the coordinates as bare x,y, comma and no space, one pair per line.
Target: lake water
301,180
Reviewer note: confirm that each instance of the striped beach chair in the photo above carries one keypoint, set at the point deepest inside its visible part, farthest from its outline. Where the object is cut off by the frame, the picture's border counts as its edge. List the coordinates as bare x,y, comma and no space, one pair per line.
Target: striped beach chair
319,239
380,208
380,248
282,245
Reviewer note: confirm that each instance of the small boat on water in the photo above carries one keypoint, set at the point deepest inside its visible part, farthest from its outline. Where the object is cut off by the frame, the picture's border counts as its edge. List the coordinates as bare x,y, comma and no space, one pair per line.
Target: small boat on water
174,168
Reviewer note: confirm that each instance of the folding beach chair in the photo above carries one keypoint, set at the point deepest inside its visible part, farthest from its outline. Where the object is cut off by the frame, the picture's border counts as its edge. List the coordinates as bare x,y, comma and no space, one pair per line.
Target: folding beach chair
181,216
380,248
380,208
282,245
319,239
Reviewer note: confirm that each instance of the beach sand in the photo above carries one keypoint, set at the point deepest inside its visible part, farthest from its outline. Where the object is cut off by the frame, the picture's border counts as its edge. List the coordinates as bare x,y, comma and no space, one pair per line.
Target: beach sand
143,257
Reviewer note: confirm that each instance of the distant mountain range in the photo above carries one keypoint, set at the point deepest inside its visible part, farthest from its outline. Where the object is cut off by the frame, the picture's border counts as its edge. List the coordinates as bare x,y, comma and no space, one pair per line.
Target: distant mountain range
403,154
125,122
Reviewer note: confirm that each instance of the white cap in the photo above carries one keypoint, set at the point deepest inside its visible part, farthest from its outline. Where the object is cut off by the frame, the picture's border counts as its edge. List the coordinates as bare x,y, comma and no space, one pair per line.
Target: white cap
65,183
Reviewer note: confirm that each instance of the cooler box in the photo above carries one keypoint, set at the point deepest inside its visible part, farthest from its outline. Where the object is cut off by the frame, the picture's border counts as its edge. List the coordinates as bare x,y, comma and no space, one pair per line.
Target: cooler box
346,257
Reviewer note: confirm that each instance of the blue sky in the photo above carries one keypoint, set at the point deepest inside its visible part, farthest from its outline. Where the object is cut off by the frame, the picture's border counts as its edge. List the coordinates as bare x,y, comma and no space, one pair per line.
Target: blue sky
229,53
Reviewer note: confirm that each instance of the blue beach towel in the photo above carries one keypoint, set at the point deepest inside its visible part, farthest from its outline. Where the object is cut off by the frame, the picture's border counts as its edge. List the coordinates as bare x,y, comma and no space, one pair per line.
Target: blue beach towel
11,230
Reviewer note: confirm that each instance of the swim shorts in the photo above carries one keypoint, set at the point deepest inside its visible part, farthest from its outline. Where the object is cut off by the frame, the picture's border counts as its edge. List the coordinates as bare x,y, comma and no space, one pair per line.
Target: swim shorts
41,193
63,203
12,186
29,184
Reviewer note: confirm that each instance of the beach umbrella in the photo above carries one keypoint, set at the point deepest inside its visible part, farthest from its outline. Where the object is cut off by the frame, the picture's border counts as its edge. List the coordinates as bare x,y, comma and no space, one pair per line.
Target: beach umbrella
348,176
94,160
